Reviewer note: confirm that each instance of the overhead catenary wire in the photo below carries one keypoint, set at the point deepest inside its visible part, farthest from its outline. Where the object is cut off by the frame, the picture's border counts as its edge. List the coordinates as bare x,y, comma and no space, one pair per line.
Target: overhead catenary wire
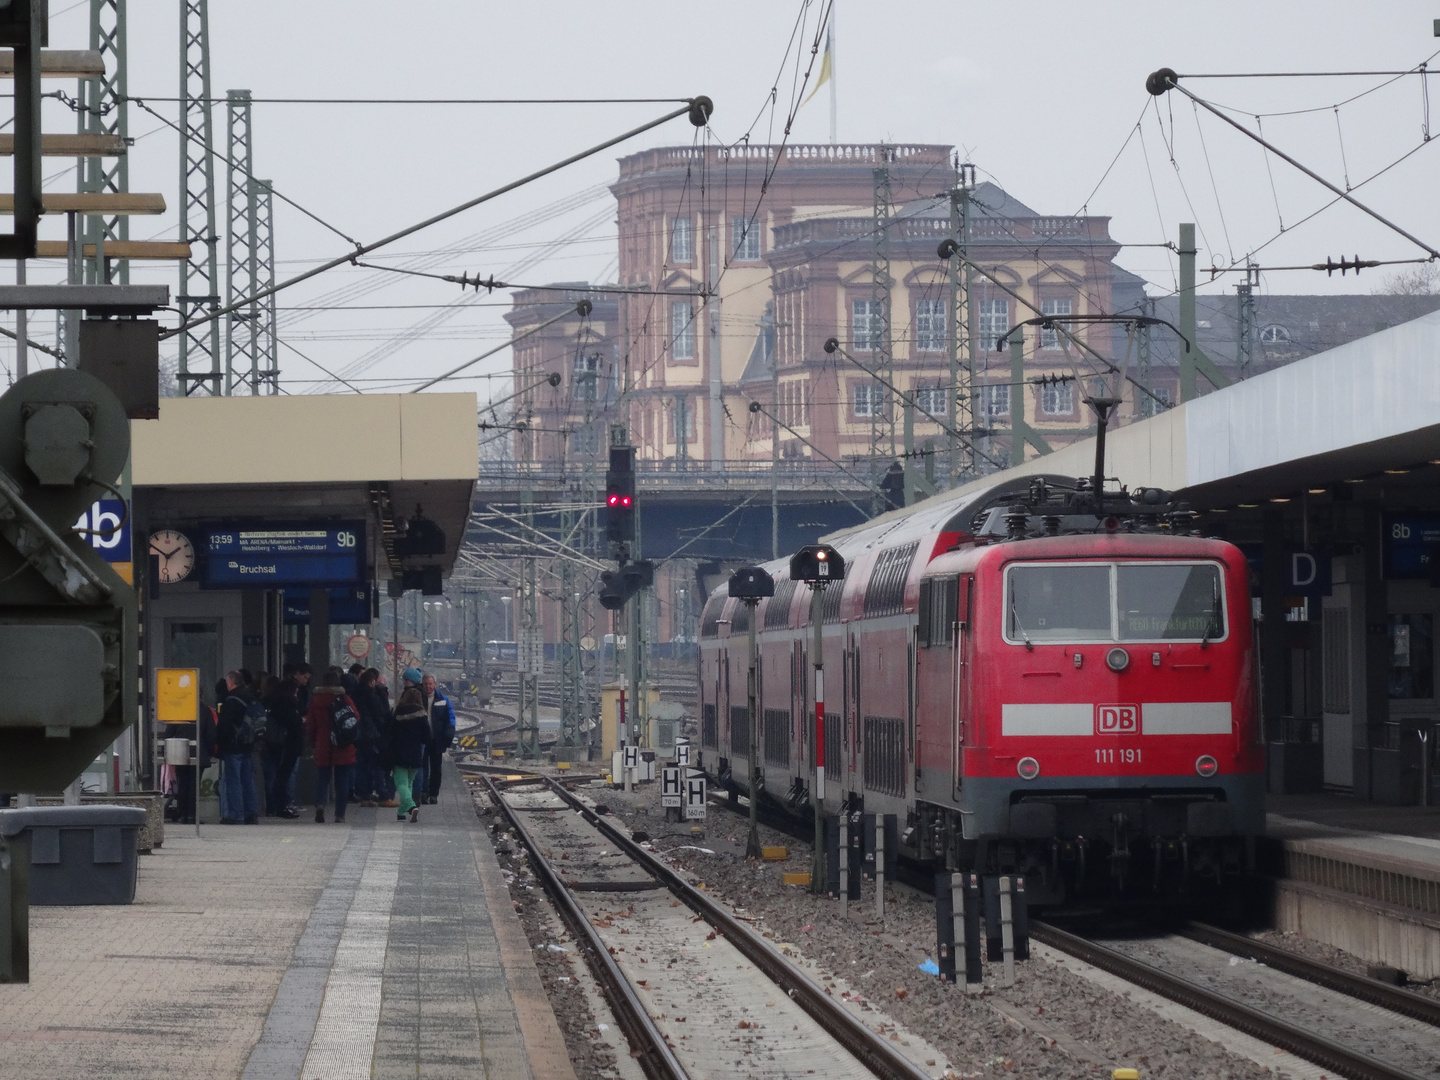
465,281
1165,80
225,158
698,108
423,101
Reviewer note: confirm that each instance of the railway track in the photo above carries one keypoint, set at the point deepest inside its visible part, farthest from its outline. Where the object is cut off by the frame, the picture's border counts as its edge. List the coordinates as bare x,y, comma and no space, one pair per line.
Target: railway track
690,1002
1260,1023
1386,996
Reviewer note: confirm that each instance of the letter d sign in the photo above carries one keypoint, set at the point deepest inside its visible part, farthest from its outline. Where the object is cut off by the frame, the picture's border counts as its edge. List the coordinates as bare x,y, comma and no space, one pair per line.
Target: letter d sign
1302,569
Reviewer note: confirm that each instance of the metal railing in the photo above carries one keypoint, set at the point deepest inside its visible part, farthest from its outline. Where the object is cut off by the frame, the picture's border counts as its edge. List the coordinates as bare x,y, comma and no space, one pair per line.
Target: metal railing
694,472
670,157
1002,230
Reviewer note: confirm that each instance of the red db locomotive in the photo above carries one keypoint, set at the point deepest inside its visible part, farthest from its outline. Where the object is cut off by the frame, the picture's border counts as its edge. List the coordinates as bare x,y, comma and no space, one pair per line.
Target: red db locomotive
1031,687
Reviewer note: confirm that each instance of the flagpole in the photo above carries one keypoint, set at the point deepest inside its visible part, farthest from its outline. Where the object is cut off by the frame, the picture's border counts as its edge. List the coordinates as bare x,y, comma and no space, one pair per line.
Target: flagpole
832,73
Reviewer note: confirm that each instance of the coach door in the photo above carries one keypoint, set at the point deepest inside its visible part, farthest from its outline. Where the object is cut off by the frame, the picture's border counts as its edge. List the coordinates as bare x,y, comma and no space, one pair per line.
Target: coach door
963,680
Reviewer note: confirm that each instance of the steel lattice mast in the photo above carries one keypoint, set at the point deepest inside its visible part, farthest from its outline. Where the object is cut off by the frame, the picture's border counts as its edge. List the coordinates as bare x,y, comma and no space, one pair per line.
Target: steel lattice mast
104,110
199,275
266,374
961,339
250,347
878,326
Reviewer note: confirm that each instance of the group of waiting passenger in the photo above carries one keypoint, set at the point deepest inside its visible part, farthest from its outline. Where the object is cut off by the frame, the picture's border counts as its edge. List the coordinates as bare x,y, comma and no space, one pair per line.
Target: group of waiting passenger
364,751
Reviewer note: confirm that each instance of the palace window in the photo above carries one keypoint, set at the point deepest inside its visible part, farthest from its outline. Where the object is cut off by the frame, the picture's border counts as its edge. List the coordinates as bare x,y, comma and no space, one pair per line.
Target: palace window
992,320
1057,399
868,399
865,324
930,399
682,330
1049,336
682,240
930,325
745,238
994,401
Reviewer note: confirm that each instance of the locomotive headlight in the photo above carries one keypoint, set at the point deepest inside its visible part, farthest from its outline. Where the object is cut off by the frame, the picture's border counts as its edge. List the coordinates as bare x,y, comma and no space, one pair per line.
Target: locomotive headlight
1028,768
1206,766
1118,659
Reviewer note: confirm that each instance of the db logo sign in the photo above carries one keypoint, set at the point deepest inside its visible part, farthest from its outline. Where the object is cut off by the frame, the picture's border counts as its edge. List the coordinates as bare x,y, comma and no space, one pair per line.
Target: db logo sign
1117,719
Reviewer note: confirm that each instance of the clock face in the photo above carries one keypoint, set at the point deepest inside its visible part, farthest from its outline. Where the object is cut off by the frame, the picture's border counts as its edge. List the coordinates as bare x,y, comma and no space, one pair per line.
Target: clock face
175,552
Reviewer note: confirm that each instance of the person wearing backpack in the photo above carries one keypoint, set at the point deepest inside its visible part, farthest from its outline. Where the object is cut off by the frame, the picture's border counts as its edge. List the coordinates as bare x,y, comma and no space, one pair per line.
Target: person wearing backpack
409,735
332,728
241,728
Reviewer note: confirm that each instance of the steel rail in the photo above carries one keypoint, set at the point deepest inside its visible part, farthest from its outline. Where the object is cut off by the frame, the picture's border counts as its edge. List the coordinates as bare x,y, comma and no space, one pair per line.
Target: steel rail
1251,1021
872,1051
651,1050
1415,1006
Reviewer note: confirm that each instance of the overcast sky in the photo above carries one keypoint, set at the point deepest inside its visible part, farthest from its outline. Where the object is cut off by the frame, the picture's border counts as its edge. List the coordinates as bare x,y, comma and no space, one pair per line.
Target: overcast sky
1042,97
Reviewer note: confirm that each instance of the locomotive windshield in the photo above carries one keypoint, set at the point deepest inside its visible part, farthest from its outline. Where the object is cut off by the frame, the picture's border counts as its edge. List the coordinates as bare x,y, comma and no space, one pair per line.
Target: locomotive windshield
1077,602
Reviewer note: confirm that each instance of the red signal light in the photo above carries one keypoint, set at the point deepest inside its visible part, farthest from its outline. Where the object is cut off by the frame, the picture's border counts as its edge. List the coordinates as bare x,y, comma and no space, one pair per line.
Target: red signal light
614,500
625,500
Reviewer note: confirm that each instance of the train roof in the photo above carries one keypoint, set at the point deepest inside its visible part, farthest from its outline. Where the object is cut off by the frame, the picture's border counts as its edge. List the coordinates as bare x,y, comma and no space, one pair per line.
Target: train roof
957,512
1101,545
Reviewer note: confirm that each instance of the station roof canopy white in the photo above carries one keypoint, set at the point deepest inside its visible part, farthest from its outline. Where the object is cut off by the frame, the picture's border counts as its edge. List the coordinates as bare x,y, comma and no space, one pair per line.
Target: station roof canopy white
310,455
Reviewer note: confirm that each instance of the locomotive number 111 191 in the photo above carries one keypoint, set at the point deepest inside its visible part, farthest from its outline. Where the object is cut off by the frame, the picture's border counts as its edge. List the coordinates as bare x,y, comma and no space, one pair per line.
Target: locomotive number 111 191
1126,756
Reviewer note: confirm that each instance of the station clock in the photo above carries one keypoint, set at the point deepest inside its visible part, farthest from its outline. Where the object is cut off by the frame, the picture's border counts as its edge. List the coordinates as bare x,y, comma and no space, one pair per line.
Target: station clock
175,552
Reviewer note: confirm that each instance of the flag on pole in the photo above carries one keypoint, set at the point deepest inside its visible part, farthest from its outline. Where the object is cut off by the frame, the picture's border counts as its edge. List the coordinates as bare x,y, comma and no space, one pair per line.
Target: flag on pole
825,71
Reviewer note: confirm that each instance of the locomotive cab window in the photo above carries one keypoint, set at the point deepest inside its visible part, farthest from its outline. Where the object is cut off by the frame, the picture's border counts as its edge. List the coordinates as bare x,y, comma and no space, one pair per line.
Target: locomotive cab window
1058,602
1166,601
1101,602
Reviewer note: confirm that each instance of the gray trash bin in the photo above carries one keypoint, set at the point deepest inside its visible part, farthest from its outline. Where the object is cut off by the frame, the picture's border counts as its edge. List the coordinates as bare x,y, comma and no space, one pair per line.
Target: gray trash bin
78,854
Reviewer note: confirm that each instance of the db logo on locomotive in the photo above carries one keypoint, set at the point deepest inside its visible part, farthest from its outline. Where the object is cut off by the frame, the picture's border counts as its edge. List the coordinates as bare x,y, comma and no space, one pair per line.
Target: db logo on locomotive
1117,719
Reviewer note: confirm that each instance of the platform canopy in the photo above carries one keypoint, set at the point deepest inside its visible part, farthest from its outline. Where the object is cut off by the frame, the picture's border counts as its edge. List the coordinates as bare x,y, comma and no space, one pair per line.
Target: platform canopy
307,457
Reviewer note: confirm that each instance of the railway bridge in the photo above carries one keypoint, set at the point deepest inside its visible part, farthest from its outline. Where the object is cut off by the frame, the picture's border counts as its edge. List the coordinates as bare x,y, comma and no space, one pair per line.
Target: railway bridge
727,510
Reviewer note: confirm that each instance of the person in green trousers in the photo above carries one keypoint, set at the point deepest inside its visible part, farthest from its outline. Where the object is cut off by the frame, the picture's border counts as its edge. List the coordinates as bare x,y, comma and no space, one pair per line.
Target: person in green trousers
410,735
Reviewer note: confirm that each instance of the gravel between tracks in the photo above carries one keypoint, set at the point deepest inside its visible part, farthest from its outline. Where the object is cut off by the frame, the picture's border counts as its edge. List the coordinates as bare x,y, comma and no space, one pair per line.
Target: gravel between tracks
1053,1023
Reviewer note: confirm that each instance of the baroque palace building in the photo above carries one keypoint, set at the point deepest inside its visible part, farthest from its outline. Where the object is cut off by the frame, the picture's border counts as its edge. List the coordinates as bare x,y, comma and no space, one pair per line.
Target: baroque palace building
736,265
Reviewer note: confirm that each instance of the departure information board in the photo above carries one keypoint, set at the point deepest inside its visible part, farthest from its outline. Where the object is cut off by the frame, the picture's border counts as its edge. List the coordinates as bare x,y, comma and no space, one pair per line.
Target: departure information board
269,554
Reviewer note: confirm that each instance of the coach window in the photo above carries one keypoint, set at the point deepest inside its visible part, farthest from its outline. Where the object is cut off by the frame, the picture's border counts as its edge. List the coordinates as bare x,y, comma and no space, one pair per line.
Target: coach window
939,611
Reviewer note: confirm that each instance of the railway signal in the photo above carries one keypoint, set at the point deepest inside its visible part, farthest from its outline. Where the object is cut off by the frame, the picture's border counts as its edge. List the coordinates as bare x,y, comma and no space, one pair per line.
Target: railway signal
750,585
618,586
818,565
620,497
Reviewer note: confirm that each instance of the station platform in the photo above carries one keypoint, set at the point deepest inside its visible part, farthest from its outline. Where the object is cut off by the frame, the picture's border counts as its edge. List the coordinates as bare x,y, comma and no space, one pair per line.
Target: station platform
1361,877
289,951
